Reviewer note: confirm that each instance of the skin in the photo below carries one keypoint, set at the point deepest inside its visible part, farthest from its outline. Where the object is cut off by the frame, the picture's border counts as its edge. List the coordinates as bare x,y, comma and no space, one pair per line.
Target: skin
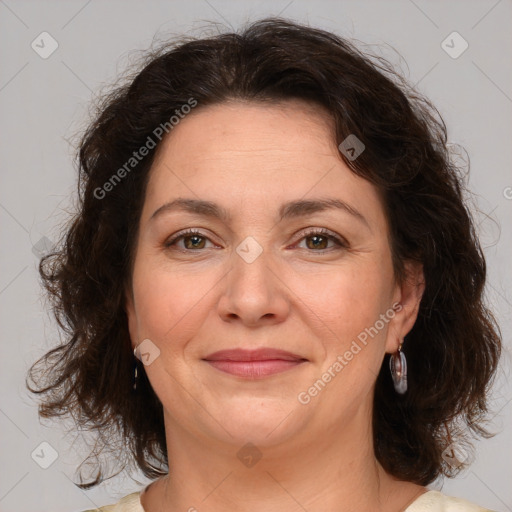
309,299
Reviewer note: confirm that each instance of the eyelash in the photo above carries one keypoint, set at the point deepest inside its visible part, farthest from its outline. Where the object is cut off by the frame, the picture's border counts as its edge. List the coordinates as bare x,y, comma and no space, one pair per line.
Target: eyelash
308,233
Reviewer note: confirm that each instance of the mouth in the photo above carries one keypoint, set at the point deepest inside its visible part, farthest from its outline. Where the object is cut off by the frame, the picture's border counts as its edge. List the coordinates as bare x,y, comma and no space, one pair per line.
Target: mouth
254,364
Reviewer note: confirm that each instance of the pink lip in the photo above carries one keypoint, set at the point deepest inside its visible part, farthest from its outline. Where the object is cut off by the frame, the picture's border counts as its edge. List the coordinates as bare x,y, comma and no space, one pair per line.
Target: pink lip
253,363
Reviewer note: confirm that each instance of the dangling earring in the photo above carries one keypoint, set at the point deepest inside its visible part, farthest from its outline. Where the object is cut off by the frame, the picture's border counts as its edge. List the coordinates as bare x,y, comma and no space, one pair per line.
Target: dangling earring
398,367
135,371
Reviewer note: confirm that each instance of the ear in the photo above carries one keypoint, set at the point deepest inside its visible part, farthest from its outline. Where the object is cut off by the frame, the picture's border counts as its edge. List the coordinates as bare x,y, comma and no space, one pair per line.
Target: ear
407,299
130,314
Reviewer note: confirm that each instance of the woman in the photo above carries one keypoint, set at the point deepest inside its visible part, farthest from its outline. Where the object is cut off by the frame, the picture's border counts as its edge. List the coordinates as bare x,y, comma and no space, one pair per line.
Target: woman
272,287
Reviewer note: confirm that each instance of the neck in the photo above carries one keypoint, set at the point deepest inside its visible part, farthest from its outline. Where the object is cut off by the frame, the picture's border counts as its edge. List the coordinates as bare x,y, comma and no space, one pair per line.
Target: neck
333,472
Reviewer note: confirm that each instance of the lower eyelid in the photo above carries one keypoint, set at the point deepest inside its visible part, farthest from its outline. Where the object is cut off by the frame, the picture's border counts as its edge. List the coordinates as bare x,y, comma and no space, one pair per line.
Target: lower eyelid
174,241
340,243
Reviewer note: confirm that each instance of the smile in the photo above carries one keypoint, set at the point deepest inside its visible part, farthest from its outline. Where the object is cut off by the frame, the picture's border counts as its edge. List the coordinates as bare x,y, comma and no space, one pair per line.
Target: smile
254,364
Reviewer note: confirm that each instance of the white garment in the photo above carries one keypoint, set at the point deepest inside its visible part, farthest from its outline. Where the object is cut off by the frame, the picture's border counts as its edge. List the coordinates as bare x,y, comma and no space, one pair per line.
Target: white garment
430,501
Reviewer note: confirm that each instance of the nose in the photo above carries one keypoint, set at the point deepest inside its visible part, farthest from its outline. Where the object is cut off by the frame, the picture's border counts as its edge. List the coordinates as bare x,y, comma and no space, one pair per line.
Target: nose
253,292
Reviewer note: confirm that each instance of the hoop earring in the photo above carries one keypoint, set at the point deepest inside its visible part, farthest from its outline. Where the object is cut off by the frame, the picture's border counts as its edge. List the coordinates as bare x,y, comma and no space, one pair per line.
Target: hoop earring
398,367
135,370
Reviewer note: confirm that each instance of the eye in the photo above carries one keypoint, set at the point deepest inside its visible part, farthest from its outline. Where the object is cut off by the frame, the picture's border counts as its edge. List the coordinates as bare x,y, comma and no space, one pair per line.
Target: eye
193,240
320,237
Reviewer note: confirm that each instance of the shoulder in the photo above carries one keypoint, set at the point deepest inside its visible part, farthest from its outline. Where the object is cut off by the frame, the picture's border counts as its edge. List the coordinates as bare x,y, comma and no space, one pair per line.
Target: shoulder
431,501
436,501
129,503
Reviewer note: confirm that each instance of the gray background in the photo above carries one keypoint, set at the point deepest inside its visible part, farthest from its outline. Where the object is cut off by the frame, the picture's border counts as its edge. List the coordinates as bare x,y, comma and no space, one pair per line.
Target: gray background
44,103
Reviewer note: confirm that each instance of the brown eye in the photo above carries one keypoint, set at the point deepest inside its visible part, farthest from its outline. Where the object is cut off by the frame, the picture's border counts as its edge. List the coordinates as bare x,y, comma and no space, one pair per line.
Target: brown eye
192,239
318,240
195,241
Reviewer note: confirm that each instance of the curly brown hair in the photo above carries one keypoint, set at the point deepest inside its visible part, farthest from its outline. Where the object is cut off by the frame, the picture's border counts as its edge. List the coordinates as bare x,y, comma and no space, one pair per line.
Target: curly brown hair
454,346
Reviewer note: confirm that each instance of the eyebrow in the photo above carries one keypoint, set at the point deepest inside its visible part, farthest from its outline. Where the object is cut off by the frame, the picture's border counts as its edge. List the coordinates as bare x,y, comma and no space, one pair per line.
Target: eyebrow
289,210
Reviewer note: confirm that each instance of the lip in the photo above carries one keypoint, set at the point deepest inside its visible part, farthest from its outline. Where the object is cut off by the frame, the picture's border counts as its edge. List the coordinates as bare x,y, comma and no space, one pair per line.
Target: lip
254,364
259,354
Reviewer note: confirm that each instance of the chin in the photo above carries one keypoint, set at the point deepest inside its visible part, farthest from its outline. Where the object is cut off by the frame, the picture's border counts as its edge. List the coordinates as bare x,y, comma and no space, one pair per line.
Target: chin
260,422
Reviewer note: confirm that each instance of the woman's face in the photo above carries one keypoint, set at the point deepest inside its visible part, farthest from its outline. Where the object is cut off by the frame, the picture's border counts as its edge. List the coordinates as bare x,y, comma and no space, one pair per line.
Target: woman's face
259,275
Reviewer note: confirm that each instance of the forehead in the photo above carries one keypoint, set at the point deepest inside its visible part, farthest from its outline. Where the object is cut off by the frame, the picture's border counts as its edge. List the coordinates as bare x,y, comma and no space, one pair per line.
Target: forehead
243,154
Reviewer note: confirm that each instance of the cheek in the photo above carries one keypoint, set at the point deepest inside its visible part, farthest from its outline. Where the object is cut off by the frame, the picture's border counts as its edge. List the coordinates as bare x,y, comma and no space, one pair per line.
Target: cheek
168,303
353,351
353,298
